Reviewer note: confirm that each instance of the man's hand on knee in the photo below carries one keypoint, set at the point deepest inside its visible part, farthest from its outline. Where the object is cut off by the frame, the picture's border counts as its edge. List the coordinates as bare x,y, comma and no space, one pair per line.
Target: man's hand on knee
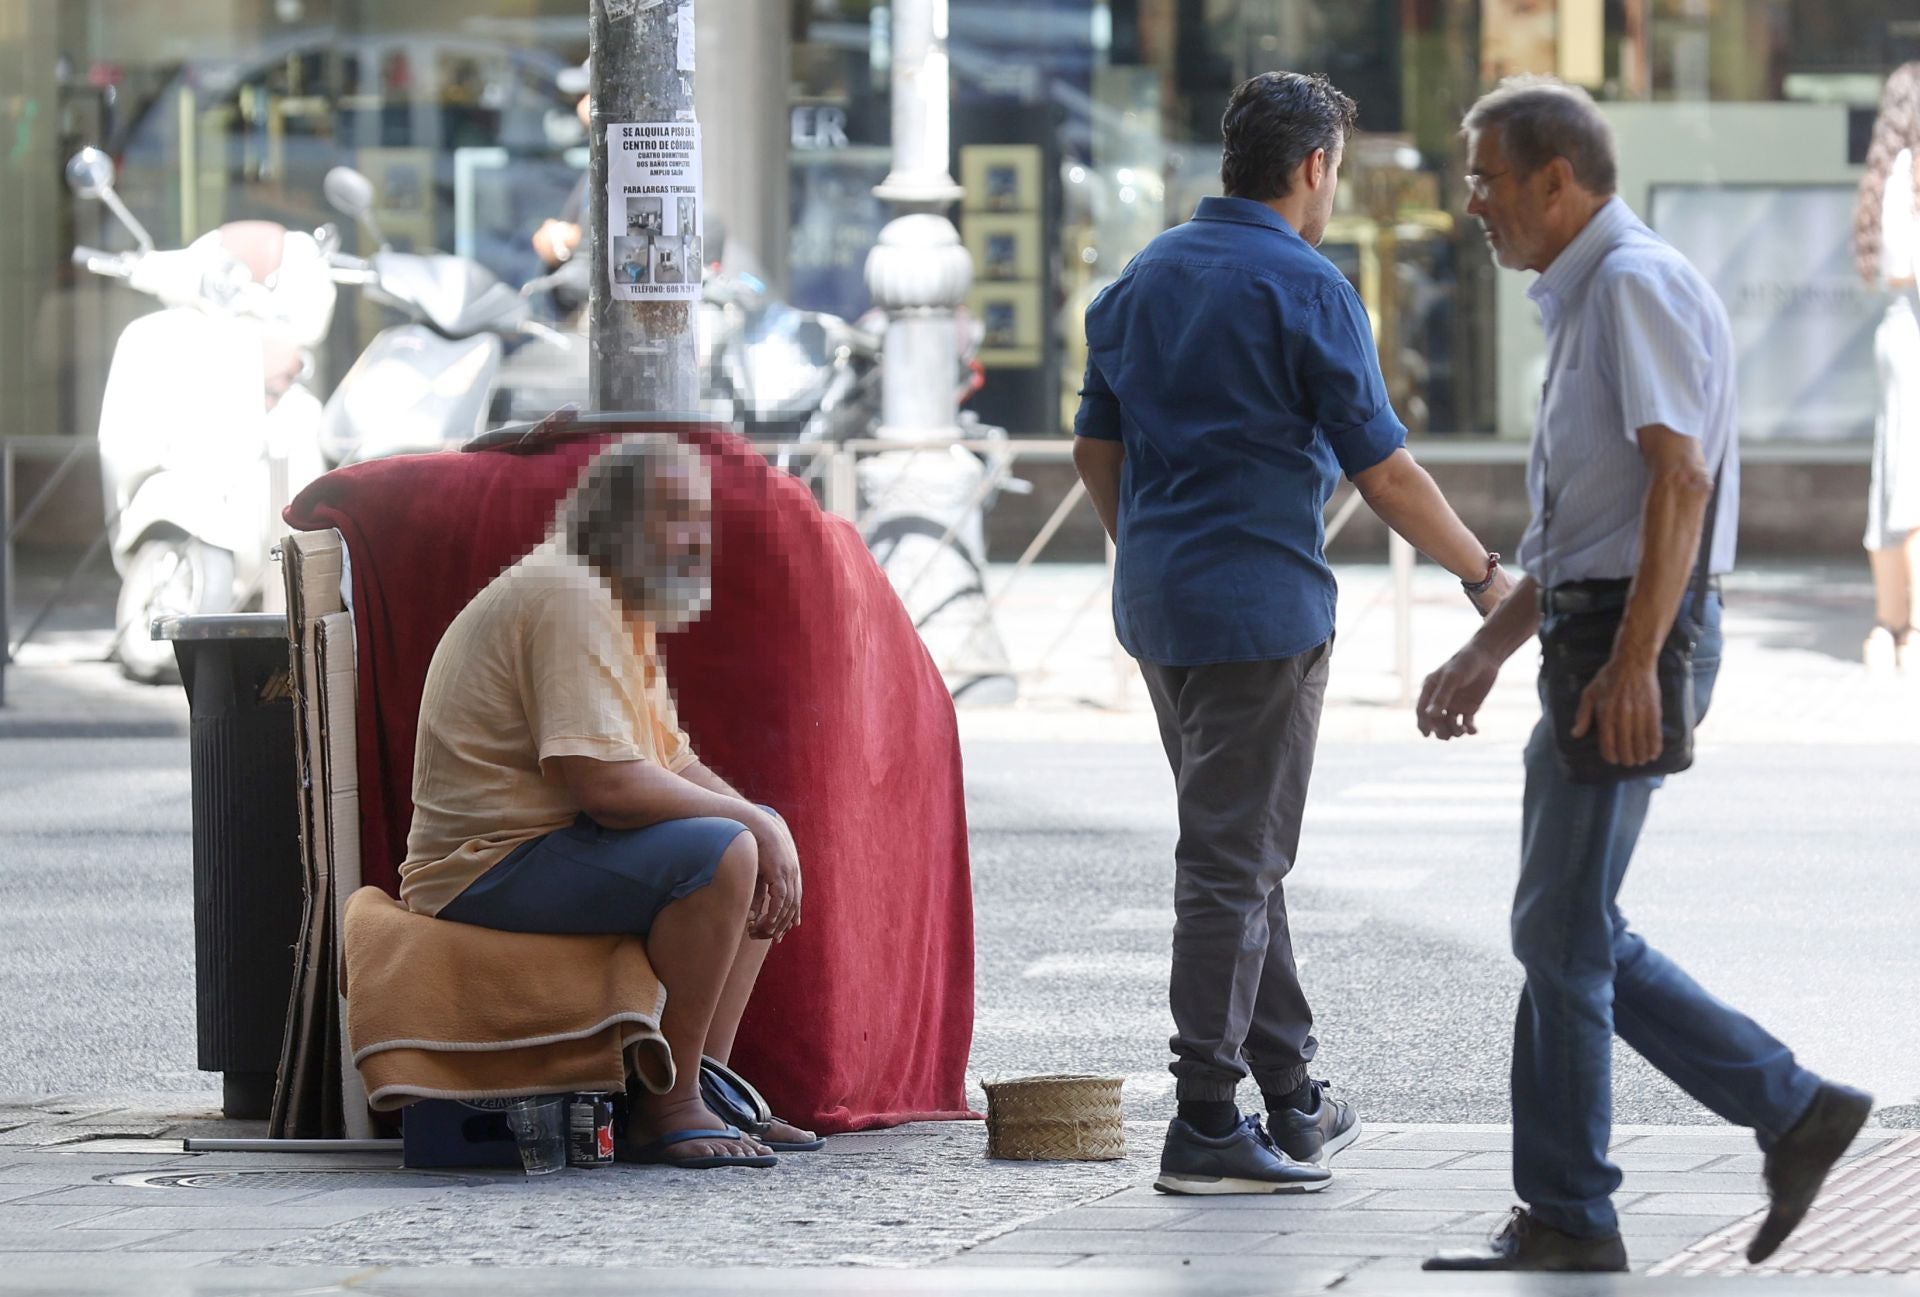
776,897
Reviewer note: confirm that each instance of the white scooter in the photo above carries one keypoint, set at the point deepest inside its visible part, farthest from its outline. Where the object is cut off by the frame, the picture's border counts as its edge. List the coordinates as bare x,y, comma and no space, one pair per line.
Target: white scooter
429,382
208,427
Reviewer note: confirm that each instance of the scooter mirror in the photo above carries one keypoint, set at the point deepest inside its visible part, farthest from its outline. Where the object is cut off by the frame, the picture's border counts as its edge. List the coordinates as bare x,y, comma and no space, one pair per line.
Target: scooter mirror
90,173
349,192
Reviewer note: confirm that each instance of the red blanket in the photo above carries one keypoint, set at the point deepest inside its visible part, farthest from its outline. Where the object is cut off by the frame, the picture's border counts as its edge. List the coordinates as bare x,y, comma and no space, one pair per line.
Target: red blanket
805,686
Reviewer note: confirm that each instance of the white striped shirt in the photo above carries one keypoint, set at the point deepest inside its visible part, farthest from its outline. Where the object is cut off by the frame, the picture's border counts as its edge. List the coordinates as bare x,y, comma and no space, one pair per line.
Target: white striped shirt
1635,337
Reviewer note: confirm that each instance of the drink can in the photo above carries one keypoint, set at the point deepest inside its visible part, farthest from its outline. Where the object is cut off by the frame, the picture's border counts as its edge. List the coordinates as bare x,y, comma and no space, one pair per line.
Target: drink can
590,1130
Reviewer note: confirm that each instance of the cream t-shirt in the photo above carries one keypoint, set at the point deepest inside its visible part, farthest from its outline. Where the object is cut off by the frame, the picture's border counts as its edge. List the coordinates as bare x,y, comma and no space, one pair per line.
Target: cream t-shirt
542,664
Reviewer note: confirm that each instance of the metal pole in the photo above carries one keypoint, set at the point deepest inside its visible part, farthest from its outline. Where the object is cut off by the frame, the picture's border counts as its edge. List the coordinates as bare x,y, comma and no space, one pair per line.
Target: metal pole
919,273
843,486
918,180
743,102
644,358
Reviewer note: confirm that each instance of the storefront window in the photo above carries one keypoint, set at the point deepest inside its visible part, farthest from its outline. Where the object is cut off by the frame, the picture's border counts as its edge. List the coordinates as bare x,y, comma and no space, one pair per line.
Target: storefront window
1082,129
236,110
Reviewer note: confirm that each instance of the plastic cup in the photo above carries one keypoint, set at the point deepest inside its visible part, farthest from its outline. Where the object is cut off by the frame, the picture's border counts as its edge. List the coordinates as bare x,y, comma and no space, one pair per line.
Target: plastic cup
539,1125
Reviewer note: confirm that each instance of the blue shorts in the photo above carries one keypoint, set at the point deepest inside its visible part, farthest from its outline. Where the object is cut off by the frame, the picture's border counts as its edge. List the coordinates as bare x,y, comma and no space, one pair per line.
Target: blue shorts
586,880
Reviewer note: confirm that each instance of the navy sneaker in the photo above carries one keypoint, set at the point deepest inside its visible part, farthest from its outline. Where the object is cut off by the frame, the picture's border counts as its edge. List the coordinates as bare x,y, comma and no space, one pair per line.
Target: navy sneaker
1313,1137
1245,1161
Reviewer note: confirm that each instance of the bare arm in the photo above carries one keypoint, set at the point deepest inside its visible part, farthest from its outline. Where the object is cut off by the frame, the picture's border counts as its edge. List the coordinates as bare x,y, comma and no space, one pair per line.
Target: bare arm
556,242
1098,462
697,773
635,794
1512,624
1404,497
1624,699
1452,696
1671,525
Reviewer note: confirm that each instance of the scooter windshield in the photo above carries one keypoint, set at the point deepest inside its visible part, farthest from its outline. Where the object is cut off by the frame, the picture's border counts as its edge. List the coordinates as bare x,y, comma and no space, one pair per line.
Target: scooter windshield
454,296
787,360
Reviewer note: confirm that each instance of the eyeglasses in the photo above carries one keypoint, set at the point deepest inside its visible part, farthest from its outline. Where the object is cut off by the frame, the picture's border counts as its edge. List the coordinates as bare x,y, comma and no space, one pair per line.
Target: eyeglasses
1480,183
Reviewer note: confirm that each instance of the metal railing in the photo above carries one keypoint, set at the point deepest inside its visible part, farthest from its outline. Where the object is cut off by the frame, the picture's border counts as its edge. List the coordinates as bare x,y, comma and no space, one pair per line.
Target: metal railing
833,467
70,452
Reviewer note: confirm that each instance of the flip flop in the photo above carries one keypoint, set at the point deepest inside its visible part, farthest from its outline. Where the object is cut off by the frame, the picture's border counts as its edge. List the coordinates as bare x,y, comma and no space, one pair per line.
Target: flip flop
732,1097
654,1151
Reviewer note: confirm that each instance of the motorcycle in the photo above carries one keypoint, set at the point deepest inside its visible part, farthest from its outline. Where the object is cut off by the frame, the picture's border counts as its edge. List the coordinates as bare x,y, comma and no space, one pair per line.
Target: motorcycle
208,425
783,374
802,377
431,382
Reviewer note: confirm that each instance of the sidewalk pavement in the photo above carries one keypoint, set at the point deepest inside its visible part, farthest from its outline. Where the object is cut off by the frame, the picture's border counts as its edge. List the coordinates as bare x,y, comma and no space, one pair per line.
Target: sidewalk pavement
97,1193
105,1199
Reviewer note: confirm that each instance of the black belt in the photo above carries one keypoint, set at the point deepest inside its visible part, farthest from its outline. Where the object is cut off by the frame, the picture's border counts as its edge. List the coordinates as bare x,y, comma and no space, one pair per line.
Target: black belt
1594,596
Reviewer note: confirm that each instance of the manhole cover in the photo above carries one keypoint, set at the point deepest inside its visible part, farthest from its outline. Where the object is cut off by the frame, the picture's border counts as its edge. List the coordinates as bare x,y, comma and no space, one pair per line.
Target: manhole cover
1866,1222
335,1178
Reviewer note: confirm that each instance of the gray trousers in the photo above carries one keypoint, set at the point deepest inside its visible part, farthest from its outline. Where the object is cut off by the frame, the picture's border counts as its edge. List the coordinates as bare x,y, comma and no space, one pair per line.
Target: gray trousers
1240,738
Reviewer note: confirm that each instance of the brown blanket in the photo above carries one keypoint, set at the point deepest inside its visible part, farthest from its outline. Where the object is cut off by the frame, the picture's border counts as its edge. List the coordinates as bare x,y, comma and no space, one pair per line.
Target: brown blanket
444,1010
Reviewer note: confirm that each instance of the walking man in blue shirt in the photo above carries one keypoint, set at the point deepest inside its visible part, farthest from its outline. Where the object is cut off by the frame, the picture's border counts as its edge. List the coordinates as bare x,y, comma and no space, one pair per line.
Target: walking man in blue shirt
1231,380
1637,423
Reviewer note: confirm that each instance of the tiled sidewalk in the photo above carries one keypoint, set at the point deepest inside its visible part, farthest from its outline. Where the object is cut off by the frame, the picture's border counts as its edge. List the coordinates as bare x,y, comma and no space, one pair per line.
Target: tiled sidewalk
1866,1223
1399,1193
99,1192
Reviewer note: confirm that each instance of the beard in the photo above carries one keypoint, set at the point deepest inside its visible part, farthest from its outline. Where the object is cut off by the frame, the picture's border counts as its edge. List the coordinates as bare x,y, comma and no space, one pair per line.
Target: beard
669,596
677,600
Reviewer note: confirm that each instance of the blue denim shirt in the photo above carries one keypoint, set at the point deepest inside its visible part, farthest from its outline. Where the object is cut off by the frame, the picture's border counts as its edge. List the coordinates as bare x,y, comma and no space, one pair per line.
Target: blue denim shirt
1236,365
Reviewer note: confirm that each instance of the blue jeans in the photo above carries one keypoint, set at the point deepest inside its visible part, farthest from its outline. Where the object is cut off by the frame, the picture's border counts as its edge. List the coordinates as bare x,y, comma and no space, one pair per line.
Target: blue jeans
1588,975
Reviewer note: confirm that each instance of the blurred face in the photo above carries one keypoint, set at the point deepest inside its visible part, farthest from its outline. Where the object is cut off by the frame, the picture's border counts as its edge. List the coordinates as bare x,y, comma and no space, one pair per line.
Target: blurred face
584,111
667,554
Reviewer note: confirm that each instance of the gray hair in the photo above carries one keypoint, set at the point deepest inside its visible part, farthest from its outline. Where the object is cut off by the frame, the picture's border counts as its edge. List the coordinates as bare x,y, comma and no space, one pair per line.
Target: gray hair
1543,118
614,490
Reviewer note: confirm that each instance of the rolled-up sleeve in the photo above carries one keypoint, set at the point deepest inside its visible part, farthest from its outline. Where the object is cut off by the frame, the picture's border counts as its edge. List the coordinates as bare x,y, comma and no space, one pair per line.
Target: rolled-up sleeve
1340,374
1099,413
1659,350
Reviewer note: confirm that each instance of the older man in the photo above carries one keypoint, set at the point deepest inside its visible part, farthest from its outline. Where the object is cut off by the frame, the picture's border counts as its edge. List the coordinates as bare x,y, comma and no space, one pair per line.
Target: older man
555,792
1231,380
1636,424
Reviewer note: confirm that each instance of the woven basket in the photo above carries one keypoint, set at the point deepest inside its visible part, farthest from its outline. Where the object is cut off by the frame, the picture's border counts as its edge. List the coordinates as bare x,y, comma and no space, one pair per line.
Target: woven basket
1056,1119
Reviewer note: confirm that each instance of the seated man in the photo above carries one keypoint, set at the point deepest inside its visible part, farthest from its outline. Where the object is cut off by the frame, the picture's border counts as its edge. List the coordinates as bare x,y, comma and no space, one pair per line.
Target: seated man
554,791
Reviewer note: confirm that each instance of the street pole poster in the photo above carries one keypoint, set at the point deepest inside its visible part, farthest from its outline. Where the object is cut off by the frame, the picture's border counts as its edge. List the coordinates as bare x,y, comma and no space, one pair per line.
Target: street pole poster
653,211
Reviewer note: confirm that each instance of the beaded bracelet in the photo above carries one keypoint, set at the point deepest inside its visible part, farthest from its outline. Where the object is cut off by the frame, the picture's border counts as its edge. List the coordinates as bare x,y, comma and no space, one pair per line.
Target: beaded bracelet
1482,586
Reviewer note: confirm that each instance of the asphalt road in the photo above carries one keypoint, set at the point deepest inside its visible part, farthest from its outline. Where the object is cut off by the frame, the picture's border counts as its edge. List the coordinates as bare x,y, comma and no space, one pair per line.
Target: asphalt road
1783,877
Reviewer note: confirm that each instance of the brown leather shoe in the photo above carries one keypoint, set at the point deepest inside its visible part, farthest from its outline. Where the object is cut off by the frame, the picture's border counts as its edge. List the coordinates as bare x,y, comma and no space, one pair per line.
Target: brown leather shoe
1797,1166
1523,1243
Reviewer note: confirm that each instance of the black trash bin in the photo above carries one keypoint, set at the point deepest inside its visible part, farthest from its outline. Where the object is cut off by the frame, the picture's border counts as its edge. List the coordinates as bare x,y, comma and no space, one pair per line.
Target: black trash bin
248,882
